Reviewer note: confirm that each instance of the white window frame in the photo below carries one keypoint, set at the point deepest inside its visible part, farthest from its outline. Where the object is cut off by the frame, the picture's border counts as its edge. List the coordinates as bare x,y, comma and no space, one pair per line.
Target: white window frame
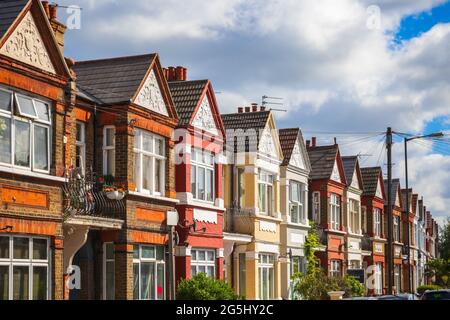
82,145
266,262
156,262
266,180
140,152
196,163
105,262
316,206
396,223
378,279
354,216
33,121
196,263
377,222
335,268
335,212
363,219
108,148
300,215
11,262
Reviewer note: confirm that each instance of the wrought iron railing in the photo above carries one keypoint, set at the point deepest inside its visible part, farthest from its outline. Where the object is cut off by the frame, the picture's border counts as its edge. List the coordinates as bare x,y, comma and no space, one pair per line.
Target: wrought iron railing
84,195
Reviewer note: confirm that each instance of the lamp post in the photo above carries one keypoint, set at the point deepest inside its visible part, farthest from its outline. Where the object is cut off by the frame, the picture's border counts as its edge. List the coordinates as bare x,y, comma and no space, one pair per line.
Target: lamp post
172,221
406,140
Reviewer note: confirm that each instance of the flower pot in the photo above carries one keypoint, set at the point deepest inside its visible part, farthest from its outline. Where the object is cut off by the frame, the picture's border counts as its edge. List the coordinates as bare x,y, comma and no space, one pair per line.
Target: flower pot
112,195
120,195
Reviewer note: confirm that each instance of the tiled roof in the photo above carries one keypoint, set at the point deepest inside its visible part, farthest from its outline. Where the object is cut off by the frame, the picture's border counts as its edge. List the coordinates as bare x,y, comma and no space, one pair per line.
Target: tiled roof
113,80
288,138
256,121
186,96
415,199
322,161
370,178
394,193
9,11
349,164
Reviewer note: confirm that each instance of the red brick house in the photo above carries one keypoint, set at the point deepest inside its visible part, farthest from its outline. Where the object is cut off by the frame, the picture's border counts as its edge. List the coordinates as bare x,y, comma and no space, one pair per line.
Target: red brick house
35,103
133,123
199,179
327,191
373,225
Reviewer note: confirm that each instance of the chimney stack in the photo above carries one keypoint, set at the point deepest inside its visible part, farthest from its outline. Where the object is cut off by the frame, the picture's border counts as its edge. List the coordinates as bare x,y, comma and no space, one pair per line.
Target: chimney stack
53,12
263,108
46,8
240,110
254,107
314,142
247,109
308,143
335,141
176,73
59,29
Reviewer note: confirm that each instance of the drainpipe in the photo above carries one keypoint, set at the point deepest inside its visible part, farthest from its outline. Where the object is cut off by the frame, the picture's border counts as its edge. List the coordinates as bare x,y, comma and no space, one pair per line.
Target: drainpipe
94,161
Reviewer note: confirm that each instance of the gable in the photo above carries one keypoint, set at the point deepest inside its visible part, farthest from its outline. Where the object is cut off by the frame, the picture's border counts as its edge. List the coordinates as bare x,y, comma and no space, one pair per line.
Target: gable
335,175
150,96
204,118
379,192
297,157
267,143
397,198
26,45
355,180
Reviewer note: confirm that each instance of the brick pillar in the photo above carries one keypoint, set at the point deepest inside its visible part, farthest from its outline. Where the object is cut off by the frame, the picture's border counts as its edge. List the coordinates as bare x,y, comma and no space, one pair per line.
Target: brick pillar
124,271
219,263
182,263
59,288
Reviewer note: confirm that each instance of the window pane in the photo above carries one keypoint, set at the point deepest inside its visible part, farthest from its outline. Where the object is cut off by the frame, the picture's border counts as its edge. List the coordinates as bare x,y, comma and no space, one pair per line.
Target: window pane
20,283
146,172
294,213
135,281
80,132
5,101
4,247
148,252
4,282
159,147
41,148
22,144
137,139
147,142
210,271
42,110
201,183
194,181
158,169
137,169
39,283
147,281
193,271
194,255
201,269
110,280
209,185
26,106
110,251
39,249
160,285
110,137
201,255
262,198
5,140
270,199
160,253
210,255
135,252
21,248
110,162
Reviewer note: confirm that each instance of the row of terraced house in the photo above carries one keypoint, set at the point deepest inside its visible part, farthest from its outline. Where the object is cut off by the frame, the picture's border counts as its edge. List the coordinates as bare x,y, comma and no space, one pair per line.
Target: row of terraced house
95,155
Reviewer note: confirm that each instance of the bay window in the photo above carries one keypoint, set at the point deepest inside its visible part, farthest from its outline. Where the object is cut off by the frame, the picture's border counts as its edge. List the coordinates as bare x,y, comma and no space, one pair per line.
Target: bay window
316,206
149,162
266,276
202,175
377,222
265,193
354,217
148,273
24,268
25,125
297,195
203,261
109,150
80,144
298,265
335,268
335,211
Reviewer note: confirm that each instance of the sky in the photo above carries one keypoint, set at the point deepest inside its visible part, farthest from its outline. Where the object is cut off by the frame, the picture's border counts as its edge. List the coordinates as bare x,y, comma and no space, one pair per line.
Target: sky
346,69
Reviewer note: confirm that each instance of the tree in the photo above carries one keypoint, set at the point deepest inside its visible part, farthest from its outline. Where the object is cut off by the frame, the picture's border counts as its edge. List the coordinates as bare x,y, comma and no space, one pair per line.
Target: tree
444,241
202,287
439,269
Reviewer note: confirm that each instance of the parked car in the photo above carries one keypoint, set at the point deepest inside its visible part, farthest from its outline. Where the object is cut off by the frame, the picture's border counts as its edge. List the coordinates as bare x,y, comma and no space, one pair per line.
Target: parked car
403,296
436,295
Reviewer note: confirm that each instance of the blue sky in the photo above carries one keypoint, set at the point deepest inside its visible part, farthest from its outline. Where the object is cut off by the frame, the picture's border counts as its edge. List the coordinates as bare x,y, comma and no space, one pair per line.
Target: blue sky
336,69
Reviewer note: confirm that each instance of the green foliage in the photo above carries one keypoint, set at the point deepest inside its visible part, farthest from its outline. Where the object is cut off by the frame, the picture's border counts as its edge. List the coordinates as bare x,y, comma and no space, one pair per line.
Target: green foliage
421,290
310,247
440,270
444,241
202,287
352,287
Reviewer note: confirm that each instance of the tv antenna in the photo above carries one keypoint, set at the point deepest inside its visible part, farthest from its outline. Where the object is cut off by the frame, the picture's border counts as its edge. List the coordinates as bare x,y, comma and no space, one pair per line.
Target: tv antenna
272,101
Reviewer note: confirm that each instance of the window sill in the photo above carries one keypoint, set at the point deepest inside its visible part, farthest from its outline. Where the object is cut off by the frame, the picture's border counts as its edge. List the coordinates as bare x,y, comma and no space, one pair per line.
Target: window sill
304,225
32,174
360,235
148,196
336,231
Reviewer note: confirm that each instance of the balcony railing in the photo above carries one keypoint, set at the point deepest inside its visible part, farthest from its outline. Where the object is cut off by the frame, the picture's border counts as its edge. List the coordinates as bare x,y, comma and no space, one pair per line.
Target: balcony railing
85,195
238,220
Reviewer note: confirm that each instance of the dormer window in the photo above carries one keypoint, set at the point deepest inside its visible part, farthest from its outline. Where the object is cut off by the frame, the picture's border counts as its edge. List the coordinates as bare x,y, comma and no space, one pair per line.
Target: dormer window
25,124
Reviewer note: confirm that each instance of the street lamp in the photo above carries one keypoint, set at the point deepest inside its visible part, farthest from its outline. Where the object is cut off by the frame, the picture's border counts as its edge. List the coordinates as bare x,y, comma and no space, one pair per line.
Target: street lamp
433,135
172,222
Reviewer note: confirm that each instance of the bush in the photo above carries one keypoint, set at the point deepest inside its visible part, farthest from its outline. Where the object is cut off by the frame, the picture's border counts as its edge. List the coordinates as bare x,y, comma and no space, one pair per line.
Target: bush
421,290
202,287
352,287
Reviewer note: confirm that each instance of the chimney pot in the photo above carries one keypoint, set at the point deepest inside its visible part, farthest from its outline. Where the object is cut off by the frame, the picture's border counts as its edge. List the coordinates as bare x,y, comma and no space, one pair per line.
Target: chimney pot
247,109
53,11
254,107
263,108
46,8
166,73
240,110
172,74
179,74
335,141
314,141
184,74
308,143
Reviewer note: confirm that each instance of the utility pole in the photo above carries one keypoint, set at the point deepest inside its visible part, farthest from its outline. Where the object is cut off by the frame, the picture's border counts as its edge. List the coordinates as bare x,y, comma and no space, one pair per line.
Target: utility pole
408,231
389,254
